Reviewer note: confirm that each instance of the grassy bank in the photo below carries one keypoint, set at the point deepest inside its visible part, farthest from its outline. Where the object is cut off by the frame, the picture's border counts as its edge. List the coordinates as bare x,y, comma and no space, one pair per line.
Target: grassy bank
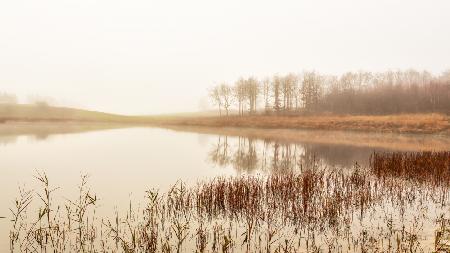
34,113
403,123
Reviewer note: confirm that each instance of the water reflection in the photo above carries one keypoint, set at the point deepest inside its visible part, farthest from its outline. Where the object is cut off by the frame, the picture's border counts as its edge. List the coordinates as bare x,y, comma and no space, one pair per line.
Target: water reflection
11,131
248,150
133,160
370,140
246,154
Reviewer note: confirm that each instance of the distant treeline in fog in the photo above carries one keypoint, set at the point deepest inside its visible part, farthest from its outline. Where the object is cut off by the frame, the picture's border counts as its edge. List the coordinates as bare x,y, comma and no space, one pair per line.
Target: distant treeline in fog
360,92
7,98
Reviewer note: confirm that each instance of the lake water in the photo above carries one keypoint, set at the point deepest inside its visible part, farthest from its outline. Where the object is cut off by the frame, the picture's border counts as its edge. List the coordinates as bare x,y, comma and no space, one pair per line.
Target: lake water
122,163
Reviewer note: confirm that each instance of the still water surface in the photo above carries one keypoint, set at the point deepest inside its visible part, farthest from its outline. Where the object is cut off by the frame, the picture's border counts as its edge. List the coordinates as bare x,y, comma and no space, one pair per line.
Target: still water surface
123,163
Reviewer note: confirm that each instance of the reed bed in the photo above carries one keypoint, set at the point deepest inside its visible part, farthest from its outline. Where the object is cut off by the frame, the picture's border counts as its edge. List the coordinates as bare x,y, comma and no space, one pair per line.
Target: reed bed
315,209
430,167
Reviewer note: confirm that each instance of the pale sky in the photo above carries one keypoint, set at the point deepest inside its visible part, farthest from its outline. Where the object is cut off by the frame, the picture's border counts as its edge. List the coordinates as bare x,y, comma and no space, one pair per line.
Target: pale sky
146,57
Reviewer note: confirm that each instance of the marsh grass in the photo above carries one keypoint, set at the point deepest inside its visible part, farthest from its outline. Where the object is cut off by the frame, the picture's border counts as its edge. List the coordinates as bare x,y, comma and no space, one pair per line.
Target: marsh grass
423,167
398,123
442,239
383,208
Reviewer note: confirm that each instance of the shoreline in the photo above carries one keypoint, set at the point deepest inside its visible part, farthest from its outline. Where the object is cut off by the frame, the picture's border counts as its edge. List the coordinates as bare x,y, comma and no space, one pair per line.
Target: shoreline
420,123
402,124
390,141
385,140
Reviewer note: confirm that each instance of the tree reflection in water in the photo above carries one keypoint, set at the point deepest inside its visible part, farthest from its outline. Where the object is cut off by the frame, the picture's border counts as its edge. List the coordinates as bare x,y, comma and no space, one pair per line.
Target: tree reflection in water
246,154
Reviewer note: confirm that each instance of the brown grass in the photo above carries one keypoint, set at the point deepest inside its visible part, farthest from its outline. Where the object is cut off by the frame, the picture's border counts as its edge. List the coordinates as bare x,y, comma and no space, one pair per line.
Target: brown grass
430,167
404,123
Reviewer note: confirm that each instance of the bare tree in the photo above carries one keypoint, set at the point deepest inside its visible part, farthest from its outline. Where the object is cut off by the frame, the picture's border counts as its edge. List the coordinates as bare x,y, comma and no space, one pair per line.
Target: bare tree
311,90
289,83
214,94
252,92
266,92
239,94
226,95
276,86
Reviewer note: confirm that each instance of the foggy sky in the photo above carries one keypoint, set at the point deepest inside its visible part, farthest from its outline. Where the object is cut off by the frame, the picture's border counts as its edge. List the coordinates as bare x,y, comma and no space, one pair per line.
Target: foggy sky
146,57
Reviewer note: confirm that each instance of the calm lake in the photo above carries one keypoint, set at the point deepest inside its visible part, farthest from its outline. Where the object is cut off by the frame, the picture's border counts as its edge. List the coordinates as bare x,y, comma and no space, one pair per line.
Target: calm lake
122,163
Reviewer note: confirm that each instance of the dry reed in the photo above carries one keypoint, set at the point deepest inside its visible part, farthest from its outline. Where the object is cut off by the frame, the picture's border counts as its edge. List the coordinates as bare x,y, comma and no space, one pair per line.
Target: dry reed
383,208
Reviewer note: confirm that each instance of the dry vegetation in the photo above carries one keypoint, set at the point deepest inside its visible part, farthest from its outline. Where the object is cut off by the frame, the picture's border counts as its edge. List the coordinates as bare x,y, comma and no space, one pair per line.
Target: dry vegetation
311,210
403,123
395,101
432,123
428,167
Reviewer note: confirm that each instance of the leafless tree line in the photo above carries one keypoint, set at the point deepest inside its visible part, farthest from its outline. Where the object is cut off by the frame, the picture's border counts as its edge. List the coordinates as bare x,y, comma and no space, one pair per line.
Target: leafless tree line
244,95
359,92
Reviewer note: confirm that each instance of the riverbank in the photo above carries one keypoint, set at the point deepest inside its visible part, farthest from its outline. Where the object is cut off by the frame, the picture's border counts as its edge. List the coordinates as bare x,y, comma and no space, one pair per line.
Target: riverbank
402,123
